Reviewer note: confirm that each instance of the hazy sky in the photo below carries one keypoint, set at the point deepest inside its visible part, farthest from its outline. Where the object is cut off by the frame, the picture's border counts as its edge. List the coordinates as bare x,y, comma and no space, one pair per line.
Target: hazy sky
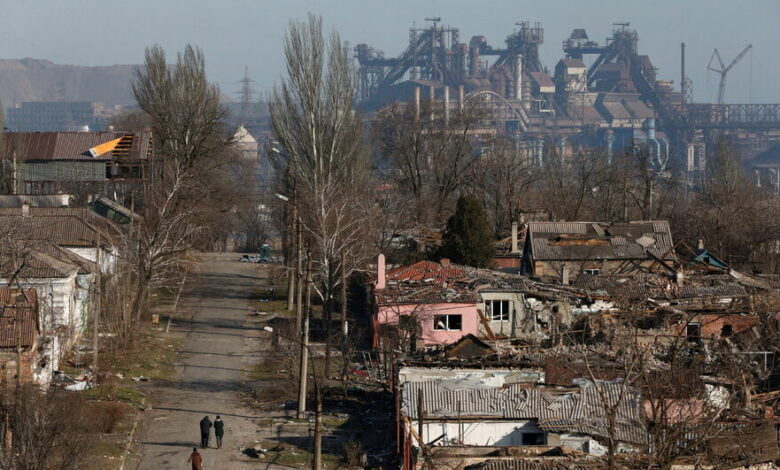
238,33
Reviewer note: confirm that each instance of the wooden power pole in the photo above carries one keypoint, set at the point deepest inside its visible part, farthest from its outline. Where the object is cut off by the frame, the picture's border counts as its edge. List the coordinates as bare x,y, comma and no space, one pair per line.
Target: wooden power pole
304,364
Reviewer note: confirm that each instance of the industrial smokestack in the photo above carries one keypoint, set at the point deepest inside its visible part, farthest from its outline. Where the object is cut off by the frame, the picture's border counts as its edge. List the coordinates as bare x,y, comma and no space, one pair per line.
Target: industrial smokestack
519,77
417,102
461,98
446,104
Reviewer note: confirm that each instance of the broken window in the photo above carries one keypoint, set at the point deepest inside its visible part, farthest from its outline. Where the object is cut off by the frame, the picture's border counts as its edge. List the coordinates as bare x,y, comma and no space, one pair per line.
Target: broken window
448,322
498,310
726,330
533,439
592,271
693,332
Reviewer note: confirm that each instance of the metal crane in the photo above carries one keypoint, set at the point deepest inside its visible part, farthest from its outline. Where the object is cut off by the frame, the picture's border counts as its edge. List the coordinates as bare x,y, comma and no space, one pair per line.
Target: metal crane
723,70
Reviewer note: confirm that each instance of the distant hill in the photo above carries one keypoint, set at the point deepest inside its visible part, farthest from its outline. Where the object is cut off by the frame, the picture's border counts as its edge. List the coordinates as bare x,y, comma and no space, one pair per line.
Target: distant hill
42,80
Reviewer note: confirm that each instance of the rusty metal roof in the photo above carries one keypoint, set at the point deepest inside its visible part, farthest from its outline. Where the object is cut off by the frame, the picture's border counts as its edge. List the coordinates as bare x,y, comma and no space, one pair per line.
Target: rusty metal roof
75,145
18,317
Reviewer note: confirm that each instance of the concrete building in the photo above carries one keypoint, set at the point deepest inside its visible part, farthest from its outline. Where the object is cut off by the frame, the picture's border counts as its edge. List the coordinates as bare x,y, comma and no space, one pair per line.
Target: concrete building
44,116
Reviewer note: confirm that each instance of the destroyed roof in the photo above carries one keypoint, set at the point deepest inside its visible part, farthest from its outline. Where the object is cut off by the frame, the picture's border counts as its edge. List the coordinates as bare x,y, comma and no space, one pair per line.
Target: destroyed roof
18,317
445,282
581,410
654,286
525,464
421,293
429,271
552,241
76,145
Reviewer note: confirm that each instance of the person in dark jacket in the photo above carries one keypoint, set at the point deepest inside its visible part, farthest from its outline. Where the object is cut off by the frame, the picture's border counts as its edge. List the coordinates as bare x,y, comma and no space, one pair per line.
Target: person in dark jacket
205,431
219,430
195,459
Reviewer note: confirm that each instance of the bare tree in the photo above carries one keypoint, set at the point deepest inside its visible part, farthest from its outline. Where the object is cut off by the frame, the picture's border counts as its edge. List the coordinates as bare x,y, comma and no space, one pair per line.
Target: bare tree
188,172
431,151
314,122
502,177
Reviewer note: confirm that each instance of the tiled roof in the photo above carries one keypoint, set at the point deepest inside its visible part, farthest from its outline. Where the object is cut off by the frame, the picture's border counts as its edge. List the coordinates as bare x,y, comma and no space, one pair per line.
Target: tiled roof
75,145
582,410
557,241
427,270
18,317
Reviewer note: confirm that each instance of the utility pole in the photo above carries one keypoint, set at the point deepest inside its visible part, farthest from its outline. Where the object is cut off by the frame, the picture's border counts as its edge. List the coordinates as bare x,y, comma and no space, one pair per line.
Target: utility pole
344,331
317,429
293,239
96,320
299,277
304,364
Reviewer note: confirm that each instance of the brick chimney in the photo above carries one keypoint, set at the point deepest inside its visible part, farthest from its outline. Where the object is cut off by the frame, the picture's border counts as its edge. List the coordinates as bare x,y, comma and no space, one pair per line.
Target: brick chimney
380,272
444,261
515,248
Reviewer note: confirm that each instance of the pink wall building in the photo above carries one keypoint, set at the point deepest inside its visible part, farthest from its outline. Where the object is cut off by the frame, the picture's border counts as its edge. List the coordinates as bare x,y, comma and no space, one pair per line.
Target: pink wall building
425,293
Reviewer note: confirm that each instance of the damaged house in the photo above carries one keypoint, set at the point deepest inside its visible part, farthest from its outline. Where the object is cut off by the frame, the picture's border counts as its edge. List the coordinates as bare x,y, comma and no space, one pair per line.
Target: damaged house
563,251
451,416
21,357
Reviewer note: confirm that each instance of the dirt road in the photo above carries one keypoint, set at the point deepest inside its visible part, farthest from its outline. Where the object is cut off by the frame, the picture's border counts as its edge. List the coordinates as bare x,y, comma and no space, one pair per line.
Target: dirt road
217,347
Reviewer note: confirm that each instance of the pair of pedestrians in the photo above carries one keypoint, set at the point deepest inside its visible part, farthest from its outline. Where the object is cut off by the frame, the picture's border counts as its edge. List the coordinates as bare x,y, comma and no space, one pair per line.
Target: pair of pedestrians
205,431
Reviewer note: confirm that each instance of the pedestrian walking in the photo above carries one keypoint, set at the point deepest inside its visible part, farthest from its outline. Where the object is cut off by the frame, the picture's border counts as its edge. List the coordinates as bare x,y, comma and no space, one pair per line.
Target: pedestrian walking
205,431
219,430
195,459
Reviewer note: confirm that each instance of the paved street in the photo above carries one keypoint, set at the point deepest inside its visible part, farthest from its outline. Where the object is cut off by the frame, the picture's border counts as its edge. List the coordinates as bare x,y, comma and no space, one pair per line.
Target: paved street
215,343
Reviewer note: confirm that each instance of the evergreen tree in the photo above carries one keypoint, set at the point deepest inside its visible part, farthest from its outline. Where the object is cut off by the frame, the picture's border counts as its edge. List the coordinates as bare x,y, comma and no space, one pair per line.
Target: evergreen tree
468,239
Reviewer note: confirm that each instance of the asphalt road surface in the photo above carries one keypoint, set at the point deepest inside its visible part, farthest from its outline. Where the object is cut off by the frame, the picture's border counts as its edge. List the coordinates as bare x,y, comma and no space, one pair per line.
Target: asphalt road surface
216,349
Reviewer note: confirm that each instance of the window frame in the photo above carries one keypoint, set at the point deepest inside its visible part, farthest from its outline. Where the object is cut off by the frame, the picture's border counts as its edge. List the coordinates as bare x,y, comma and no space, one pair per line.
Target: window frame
446,321
504,316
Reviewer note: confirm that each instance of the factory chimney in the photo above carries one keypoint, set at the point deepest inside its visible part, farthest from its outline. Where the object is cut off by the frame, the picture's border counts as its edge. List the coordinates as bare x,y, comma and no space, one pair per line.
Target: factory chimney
417,102
446,104
515,248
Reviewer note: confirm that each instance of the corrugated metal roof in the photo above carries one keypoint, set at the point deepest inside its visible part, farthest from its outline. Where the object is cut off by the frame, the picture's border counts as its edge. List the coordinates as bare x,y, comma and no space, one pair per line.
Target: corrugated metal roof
582,410
75,145
66,226
525,464
18,317
550,241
